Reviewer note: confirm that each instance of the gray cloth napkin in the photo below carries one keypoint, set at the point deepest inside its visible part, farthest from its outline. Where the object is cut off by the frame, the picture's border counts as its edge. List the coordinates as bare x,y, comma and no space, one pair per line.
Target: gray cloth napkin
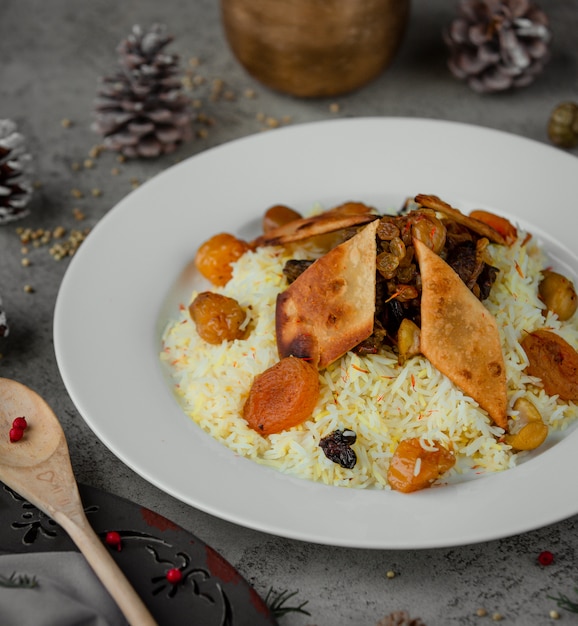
67,593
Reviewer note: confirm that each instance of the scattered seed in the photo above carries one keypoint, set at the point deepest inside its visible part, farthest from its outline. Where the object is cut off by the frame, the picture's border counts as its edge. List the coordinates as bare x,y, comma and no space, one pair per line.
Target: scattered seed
250,94
95,151
66,123
187,83
76,193
194,61
334,107
120,158
78,214
88,164
390,574
481,612
75,165
115,171
96,192
28,289
554,615
25,262
497,617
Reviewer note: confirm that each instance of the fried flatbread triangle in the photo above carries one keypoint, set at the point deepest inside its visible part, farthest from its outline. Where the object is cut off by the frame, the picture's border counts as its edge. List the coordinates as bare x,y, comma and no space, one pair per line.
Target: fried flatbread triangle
459,336
330,307
347,215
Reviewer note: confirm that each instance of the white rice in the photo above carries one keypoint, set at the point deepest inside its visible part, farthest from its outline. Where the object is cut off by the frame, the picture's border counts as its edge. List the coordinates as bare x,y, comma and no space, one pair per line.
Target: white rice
372,395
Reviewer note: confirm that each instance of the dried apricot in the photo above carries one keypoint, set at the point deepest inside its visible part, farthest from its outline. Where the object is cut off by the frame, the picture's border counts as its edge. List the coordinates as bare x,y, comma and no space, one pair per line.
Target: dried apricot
282,396
215,256
278,215
218,318
413,467
554,361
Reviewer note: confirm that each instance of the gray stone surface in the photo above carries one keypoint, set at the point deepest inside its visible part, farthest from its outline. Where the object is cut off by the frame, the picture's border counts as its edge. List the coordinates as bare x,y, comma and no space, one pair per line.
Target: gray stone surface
51,54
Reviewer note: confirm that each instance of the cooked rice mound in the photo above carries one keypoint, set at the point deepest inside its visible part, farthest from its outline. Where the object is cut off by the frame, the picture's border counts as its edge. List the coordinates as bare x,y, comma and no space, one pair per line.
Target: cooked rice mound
381,401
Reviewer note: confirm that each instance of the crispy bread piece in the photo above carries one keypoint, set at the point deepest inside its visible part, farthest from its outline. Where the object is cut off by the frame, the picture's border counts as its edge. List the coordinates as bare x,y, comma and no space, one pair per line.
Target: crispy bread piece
343,216
459,336
330,307
483,229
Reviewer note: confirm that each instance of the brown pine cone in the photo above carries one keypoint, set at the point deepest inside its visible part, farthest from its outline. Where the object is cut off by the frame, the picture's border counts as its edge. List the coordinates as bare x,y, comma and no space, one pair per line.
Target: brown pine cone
496,45
4,330
563,125
15,170
142,110
400,618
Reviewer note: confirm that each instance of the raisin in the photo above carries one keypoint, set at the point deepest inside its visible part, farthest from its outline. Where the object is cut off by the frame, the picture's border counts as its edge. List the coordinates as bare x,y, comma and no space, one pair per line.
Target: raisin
217,318
215,256
337,448
294,268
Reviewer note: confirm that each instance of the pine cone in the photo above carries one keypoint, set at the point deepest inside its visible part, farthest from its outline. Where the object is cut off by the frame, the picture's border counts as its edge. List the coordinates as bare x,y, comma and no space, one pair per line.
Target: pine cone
563,125
497,45
142,110
4,330
15,170
400,618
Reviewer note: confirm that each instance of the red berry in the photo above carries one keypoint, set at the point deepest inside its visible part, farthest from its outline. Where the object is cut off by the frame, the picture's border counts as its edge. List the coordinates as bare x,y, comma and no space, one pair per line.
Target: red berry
16,434
545,558
20,422
113,539
174,576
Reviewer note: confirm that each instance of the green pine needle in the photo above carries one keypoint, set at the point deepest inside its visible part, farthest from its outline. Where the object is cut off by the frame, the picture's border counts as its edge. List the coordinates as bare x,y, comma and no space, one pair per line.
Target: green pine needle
564,602
277,603
18,581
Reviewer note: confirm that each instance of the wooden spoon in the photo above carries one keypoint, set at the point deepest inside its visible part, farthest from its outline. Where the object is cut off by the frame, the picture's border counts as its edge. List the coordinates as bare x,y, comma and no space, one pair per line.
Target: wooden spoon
38,468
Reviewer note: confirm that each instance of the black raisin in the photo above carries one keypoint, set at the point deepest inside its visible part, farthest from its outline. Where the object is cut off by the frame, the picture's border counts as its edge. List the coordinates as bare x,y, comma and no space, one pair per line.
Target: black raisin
337,448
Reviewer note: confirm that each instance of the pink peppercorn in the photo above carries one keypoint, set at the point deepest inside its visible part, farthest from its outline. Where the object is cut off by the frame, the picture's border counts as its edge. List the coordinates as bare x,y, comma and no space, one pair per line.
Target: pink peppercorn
15,434
174,576
113,539
20,422
545,558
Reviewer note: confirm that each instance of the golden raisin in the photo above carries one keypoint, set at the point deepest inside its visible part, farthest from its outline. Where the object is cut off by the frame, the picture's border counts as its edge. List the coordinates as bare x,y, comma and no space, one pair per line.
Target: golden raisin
282,396
530,436
215,256
218,318
558,294
413,467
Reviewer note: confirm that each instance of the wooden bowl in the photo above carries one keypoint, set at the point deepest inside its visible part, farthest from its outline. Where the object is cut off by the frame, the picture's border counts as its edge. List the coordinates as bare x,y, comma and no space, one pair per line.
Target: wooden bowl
315,48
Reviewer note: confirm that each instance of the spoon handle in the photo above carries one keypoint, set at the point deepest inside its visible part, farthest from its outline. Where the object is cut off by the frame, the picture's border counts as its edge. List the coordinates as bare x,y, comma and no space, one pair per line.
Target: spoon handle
105,568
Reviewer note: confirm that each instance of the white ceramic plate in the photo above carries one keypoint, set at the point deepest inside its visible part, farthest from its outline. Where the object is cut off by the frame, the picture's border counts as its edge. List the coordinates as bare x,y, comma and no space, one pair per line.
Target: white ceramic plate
129,275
